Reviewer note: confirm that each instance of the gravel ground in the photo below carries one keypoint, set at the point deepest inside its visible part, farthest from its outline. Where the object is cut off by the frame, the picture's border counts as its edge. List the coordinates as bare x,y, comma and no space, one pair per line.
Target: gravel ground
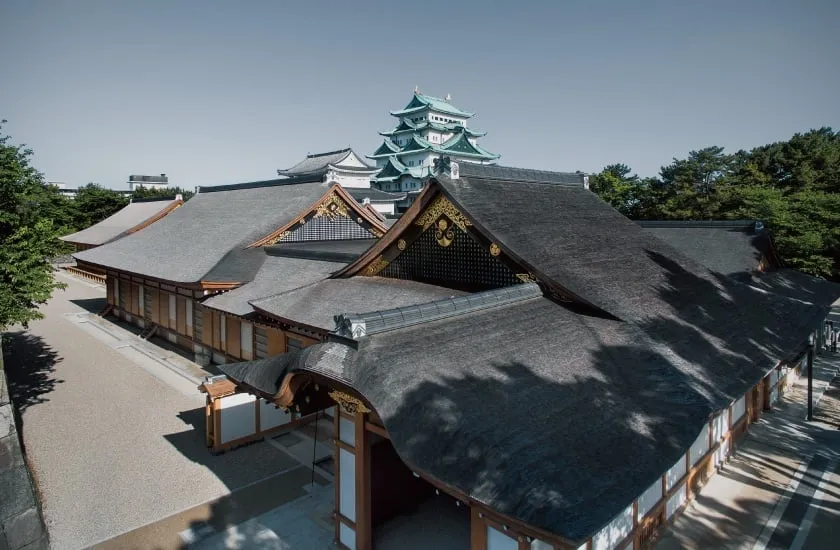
112,447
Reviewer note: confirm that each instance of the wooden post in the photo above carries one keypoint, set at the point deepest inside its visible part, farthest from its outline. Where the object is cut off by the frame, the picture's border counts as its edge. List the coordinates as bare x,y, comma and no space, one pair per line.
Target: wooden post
336,471
478,530
364,527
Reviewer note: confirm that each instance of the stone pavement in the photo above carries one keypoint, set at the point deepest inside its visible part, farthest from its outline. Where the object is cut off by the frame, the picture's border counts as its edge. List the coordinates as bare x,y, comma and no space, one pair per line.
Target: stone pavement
115,438
781,489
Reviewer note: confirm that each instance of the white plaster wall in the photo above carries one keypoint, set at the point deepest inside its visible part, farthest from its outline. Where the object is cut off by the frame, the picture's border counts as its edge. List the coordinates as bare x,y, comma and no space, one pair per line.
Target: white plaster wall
739,408
352,160
355,181
675,502
347,536
347,484
238,416
173,311
537,544
384,207
673,475
347,431
720,425
700,446
497,540
246,340
271,416
721,453
615,531
649,498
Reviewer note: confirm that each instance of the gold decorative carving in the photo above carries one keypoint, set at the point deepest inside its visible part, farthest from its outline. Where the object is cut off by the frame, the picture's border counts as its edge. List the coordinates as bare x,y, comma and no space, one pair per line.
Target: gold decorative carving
401,244
348,403
376,266
440,207
443,233
494,249
278,238
526,277
332,208
303,221
359,221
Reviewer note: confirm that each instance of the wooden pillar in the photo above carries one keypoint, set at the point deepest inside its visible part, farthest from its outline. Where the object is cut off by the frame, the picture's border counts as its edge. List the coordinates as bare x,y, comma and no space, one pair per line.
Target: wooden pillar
478,530
364,527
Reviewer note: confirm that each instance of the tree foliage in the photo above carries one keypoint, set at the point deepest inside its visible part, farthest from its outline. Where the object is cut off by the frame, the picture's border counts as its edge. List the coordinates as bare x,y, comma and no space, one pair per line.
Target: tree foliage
28,235
93,203
793,186
141,192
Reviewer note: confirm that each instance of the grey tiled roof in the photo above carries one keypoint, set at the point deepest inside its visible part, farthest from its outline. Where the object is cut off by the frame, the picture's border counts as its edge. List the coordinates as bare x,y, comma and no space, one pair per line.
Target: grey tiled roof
510,173
317,305
276,275
116,225
318,163
207,235
338,250
732,248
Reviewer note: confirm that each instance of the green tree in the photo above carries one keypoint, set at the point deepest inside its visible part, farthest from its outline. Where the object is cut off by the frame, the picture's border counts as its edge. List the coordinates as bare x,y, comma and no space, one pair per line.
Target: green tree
617,185
142,192
28,236
94,203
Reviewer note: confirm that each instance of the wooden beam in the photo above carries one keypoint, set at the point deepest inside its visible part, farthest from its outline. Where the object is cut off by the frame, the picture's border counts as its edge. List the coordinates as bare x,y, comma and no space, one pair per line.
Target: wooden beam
378,430
364,523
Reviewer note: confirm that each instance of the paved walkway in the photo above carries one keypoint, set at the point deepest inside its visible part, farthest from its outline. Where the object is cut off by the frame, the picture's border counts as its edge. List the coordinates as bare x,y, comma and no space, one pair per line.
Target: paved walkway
114,435
781,490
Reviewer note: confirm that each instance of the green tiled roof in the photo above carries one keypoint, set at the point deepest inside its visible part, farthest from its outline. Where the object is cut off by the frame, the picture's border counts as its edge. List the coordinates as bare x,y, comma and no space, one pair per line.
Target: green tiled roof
387,148
460,145
395,169
421,102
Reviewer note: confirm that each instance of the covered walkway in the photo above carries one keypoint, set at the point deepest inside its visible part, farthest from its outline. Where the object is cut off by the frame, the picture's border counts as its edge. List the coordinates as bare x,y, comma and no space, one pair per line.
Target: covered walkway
782,487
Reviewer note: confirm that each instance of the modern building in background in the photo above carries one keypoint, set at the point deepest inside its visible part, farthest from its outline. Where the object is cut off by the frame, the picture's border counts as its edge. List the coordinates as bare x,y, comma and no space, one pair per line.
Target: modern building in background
149,182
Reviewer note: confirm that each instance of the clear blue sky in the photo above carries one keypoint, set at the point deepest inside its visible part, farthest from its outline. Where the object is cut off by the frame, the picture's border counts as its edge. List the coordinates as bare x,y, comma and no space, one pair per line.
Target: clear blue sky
221,92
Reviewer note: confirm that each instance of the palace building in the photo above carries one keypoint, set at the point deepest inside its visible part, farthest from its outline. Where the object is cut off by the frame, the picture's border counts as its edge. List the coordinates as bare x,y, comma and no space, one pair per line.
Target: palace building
349,170
567,378
133,217
427,128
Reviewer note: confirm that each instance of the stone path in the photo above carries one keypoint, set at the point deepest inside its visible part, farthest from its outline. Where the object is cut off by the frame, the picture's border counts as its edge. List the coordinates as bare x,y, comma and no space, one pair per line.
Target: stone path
115,437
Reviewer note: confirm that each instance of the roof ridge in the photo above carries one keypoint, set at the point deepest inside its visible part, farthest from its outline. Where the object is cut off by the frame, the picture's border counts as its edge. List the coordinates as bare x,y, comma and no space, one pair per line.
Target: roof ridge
316,155
292,180
168,198
357,325
745,224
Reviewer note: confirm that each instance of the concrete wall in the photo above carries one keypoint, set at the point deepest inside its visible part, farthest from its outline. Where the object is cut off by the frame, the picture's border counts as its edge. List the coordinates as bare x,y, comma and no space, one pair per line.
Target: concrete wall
21,524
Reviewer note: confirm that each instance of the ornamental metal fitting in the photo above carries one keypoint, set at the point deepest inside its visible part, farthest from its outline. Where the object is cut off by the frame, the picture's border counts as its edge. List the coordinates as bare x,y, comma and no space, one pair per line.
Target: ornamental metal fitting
348,403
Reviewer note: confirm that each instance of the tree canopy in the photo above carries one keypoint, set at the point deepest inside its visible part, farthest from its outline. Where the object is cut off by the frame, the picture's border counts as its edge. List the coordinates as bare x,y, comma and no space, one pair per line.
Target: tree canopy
141,192
30,217
93,203
792,186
